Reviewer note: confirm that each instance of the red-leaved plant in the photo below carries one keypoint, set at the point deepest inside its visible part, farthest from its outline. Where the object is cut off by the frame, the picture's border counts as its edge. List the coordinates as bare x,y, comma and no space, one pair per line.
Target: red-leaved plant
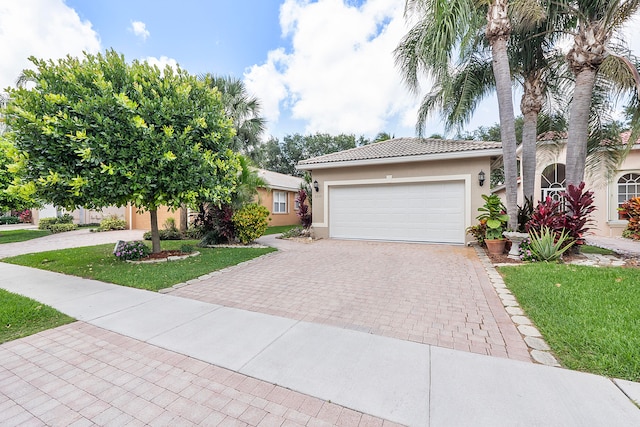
630,210
546,214
303,209
579,204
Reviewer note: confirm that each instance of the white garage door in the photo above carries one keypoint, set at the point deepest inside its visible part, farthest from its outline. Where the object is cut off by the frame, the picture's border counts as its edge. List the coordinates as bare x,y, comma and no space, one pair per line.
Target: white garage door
418,212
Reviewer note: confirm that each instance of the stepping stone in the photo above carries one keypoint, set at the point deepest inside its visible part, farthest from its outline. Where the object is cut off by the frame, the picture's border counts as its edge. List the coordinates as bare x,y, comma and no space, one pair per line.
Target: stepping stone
515,311
544,358
521,320
529,330
537,343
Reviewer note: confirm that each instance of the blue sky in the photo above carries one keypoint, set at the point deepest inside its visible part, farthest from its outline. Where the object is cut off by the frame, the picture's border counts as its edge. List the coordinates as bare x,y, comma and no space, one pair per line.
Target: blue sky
317,66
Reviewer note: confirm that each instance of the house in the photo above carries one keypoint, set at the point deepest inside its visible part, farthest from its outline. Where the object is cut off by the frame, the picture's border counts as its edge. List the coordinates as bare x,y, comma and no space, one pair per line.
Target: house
402,189
279,197
609,193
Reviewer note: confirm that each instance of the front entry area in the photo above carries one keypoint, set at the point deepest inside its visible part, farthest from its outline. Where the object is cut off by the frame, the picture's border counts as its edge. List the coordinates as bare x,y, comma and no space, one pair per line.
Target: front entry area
431,212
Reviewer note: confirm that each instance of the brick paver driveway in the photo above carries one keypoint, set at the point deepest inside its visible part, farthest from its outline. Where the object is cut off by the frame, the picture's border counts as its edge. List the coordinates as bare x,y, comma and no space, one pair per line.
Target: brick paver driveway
432,294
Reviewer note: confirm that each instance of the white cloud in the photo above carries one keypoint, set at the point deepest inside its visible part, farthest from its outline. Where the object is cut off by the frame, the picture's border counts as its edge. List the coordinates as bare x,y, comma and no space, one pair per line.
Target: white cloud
162,62
139,28
340,75
40,28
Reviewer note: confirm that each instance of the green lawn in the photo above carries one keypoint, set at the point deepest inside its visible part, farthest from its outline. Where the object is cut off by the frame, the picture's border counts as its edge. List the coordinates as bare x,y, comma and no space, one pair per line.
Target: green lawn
12,236
97,262
589,316
277,229
21,316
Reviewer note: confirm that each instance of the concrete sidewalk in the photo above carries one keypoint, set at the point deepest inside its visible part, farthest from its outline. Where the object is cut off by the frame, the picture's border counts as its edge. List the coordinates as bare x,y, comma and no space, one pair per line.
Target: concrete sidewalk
405,382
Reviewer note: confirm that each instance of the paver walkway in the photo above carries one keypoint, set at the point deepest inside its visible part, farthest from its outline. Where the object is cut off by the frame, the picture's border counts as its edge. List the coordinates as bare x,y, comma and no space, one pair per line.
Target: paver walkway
82,375
626,247
430,294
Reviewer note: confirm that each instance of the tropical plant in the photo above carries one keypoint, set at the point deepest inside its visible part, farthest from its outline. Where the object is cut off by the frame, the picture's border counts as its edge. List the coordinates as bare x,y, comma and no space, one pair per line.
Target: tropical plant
443,28
493,216
112,222
243,109
546,215
595,48
631,211
547,245
478,231
251,221
579,207
99,131
303,209
524,214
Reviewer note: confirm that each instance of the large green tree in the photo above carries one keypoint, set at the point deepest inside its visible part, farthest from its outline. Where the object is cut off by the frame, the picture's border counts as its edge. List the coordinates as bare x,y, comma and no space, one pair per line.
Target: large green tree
598,23
98,131
439,30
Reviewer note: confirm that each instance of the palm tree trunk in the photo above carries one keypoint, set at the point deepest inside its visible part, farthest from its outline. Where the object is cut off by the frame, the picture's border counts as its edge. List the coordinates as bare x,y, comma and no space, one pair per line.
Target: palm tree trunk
529,139
502,75
578,132
155,234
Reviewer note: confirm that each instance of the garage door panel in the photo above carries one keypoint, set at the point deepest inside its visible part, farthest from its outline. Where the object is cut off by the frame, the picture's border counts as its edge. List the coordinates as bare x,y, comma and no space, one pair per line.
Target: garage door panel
427,212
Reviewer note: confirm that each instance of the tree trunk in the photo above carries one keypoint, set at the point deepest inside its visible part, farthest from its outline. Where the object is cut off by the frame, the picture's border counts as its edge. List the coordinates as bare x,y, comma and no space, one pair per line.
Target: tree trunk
502,75
530,107
184,220
578,132
155,234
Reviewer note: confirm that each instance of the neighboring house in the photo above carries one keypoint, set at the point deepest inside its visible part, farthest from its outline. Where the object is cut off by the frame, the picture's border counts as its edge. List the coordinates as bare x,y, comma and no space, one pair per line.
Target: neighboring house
279,197
402,189
608,194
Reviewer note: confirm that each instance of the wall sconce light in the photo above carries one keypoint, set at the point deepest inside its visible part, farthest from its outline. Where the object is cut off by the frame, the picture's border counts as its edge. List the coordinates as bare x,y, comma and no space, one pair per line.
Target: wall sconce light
481,178
316,186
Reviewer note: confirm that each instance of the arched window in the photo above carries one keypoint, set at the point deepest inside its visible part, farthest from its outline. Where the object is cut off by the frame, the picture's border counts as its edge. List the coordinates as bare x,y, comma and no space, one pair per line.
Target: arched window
628,188
552,181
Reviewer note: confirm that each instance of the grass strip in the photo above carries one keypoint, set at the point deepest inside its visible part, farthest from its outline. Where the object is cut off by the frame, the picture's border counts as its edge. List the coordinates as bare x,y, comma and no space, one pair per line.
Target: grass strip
12,236
21,316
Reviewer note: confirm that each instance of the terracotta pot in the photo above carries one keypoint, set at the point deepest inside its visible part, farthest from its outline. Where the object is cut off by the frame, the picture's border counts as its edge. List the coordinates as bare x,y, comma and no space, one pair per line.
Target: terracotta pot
495,246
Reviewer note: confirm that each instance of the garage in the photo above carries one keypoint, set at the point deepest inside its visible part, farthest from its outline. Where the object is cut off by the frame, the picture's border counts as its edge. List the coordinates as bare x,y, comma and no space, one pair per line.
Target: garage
415,212
401,189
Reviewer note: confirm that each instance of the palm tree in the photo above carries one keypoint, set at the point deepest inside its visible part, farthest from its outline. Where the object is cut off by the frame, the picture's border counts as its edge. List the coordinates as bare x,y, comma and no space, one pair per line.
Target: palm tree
598,22
243,109
442,28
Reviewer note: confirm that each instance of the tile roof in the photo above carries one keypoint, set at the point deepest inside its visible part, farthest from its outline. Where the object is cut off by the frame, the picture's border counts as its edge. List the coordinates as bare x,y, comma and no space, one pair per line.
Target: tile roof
280,181
402,147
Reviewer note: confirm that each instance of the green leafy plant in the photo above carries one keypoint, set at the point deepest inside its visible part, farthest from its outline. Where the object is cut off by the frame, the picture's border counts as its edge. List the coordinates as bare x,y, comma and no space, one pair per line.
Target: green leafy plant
61,228
631,211
494,216
524,214
65,219
9,220
112,223
478,231
170,224
132,251
186,249
47,222
293,232
164,235
251,221
548,245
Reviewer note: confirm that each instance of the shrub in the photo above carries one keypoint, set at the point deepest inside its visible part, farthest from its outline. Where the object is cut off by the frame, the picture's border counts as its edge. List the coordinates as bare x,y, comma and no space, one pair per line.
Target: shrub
46,223
251,221
65,219
211,238
132,251
547,245
478,232
194,232
186,249
546,215
164,235
292,232
26,216
631,210
579,208
170,224
303,210
524,214
61,228
9,220
112,223
218,219
524,251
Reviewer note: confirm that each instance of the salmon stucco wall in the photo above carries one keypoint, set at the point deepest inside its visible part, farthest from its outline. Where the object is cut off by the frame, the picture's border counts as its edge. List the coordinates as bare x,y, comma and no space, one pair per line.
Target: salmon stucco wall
468,167
265,198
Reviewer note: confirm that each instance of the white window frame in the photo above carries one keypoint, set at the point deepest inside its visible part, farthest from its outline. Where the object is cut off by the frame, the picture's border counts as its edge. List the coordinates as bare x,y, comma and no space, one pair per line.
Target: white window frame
279,205
618,184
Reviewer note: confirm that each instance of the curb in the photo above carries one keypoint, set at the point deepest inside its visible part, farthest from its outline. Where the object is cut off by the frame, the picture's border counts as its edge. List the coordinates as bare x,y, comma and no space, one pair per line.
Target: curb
539,350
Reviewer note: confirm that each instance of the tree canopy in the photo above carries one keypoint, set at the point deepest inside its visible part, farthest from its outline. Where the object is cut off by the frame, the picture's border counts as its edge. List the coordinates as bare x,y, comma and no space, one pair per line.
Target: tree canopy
99,131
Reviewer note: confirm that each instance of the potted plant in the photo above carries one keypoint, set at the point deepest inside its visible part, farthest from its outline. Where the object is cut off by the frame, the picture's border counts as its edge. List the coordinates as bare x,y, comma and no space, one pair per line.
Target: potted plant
494,216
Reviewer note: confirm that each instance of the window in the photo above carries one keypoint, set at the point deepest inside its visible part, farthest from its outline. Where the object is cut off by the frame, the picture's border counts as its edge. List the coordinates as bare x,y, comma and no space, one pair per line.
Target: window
279,202
296,205
628,188
552,181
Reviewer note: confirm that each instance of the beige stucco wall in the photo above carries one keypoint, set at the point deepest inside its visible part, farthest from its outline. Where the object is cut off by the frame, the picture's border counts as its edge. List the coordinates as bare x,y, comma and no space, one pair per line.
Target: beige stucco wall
605,192
460,169
265,198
